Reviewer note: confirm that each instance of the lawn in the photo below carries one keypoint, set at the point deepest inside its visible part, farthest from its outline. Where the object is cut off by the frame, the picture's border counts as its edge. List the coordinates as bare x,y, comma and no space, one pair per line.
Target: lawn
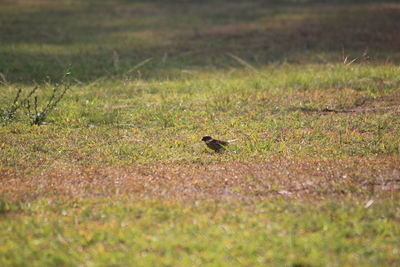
117,175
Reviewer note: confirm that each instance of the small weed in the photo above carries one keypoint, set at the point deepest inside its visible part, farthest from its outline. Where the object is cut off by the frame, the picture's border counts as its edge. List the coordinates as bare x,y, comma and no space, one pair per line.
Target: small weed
29,105
39,114
9,114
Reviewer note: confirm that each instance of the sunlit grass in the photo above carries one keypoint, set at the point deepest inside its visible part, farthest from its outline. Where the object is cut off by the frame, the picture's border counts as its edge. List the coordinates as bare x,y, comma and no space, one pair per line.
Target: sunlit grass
300,111
117,174
148,233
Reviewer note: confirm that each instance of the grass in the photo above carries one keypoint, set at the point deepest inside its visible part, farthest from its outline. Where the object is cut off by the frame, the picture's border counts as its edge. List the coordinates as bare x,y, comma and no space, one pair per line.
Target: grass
302,116
117,175
148,233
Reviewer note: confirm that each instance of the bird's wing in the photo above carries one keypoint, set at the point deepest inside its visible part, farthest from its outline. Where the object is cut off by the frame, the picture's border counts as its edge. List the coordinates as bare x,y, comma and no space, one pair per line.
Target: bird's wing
221,142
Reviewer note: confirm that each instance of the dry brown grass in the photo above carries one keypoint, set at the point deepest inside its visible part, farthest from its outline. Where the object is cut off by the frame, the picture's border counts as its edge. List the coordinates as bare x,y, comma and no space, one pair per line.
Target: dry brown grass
308,179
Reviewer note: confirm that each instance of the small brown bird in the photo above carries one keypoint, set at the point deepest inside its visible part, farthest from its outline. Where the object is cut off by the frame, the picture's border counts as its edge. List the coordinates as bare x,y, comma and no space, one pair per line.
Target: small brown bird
214,144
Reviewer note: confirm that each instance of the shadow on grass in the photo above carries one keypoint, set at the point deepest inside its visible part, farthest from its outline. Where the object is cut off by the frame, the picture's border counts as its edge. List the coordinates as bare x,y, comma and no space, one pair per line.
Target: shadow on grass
106,38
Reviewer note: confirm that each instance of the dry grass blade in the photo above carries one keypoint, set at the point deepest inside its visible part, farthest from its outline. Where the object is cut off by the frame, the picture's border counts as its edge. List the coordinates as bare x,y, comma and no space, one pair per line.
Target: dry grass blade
139,65
242,62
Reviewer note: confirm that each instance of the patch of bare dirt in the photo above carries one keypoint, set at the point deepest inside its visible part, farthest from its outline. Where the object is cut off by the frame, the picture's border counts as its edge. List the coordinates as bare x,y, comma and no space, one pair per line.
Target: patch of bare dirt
224,180
386,104
389,104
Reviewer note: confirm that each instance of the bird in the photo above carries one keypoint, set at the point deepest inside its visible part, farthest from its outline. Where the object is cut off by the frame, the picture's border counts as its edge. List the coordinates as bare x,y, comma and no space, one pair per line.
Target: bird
214,144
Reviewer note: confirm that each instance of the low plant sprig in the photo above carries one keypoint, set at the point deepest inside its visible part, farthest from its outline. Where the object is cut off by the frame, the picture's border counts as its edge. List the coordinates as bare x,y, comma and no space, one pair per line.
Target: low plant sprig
36,113
8,114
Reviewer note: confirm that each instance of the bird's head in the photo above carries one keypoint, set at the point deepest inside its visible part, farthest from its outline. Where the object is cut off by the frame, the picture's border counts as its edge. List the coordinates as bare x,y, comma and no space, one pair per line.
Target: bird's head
206,138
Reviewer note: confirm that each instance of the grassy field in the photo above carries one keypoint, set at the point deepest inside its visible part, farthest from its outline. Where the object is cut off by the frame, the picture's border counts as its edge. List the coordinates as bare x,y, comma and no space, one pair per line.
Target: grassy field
117,175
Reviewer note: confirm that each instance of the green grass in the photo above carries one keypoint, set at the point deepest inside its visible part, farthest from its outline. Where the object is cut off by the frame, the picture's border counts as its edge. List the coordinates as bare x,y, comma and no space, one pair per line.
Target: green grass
108,232
100,39
117,174
280,109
